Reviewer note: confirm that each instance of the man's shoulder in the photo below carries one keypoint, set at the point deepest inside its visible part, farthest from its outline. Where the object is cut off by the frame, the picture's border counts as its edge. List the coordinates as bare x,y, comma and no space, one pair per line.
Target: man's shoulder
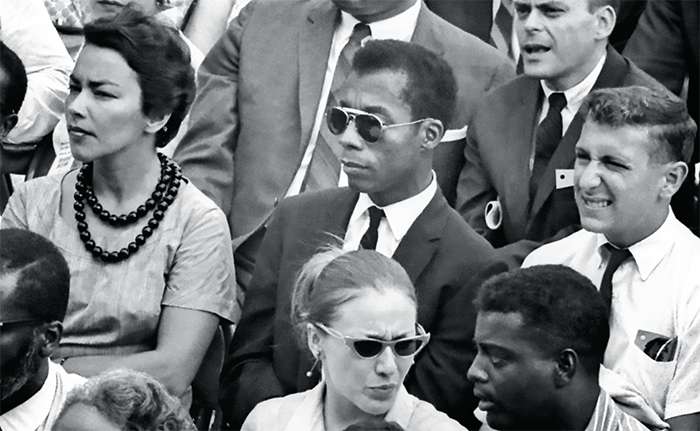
561,251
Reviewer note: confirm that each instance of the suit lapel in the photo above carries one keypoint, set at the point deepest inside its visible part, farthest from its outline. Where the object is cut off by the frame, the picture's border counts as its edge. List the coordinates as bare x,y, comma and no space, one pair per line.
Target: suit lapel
315,42
517,149
424,34
337,211
612,75
420,242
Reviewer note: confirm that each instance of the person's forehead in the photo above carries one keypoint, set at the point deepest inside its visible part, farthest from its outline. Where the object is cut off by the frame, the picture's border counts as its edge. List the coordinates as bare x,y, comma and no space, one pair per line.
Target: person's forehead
378,88
629,141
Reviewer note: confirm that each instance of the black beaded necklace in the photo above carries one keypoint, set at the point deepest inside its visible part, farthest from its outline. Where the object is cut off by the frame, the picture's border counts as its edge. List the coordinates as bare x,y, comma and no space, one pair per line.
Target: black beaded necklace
160,200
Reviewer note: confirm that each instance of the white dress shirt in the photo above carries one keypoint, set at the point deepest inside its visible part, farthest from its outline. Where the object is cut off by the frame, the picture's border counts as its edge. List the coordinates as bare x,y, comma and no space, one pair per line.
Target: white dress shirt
399,27
399,217
657,291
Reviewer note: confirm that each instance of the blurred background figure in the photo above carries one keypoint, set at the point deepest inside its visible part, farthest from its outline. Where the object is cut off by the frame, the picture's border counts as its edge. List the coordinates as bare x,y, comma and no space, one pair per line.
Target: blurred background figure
356,313
34,290
25,27
121,400
150,256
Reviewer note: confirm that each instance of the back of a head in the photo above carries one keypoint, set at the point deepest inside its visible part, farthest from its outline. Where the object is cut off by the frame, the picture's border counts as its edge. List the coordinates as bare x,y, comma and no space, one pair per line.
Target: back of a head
160,58
334,277
13,81
558,304
131,400
664,115
375,425
431,88
43,276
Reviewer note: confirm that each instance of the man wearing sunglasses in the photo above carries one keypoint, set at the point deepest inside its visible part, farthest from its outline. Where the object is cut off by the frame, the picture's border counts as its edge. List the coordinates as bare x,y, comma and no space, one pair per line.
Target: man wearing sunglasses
34,287
256,132
541,334
631,159
389,119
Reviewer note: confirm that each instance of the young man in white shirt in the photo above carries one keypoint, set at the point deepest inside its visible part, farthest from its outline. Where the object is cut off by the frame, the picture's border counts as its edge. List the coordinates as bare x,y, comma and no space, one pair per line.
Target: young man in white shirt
630,160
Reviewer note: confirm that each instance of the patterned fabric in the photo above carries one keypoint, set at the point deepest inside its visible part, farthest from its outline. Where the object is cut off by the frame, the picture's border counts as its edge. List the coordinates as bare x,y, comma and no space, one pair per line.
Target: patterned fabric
65,13
114,309
325,167
502,28
607,416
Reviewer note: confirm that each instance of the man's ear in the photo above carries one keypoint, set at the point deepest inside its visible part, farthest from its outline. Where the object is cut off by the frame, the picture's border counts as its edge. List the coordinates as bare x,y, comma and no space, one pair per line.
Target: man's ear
50,338
566,366
432,133
8,123
605,21
674,176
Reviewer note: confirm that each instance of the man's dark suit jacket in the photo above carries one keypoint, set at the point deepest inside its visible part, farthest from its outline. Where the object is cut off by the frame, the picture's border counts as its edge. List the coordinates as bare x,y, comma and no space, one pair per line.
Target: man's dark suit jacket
440,253
499,144
258,93
666,45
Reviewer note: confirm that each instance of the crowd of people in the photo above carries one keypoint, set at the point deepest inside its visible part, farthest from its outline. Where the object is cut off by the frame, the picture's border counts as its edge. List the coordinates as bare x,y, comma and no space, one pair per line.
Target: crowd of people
349,215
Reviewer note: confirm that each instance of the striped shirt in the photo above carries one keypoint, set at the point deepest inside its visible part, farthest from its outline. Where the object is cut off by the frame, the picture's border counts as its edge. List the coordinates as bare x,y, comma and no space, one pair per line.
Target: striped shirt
607,416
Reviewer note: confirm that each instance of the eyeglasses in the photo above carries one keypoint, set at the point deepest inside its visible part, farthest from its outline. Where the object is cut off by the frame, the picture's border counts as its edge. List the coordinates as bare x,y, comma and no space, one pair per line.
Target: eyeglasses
369,348
20,322
369,126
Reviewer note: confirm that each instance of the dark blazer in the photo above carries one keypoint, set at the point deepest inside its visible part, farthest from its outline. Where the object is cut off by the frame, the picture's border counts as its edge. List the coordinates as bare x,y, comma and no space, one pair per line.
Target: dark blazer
499,144
258,94
666,45
441,254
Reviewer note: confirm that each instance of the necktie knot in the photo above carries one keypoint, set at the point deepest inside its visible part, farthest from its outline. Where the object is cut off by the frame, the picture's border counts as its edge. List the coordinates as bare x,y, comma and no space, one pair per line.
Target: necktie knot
557,102
617,256
369,239
359,33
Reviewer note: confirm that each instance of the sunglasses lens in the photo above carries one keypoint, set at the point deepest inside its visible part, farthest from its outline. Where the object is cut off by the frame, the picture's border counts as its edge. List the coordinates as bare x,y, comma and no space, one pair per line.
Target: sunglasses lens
368,348
408,347
369,127
337,121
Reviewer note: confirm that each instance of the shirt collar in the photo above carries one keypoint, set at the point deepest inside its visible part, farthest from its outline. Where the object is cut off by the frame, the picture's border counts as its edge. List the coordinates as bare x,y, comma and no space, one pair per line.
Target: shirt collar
399,27
649,252
400,215
576,94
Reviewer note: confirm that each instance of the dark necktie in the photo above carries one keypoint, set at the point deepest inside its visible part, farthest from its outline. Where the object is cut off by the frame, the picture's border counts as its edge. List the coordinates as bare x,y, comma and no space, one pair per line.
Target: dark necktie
324,168
369,239
617,256
549,133
502,28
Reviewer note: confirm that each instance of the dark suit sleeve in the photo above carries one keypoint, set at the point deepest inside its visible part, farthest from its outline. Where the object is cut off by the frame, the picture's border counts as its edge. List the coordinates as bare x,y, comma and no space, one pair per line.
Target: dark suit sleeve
206,152
248,375
474,189
657,44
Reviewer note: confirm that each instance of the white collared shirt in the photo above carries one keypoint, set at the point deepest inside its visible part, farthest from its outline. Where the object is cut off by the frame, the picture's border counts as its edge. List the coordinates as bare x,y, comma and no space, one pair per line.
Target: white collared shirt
657,291
41,410
574,95
399,27
400,216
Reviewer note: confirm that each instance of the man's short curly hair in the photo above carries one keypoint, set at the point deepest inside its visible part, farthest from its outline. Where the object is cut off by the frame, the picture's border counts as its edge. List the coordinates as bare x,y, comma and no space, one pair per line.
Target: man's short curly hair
131,400
556,302
160,58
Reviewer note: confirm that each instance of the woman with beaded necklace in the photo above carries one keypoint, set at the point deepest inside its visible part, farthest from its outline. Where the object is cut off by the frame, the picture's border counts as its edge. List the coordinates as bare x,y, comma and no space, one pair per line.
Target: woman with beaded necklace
150,256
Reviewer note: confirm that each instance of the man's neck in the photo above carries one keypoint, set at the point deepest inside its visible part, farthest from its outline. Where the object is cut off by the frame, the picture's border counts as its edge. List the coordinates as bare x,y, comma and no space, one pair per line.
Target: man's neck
577,409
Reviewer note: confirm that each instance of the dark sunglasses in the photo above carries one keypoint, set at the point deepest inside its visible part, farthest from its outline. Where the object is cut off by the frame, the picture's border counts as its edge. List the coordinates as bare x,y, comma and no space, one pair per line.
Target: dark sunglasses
20,322
368,348
368,126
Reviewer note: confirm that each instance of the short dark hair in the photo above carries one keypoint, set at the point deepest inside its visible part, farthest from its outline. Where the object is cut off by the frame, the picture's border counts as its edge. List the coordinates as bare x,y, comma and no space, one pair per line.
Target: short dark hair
671,129
13,91
595,4
431,90
132,400
333,277
558,303
43,277
160,58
